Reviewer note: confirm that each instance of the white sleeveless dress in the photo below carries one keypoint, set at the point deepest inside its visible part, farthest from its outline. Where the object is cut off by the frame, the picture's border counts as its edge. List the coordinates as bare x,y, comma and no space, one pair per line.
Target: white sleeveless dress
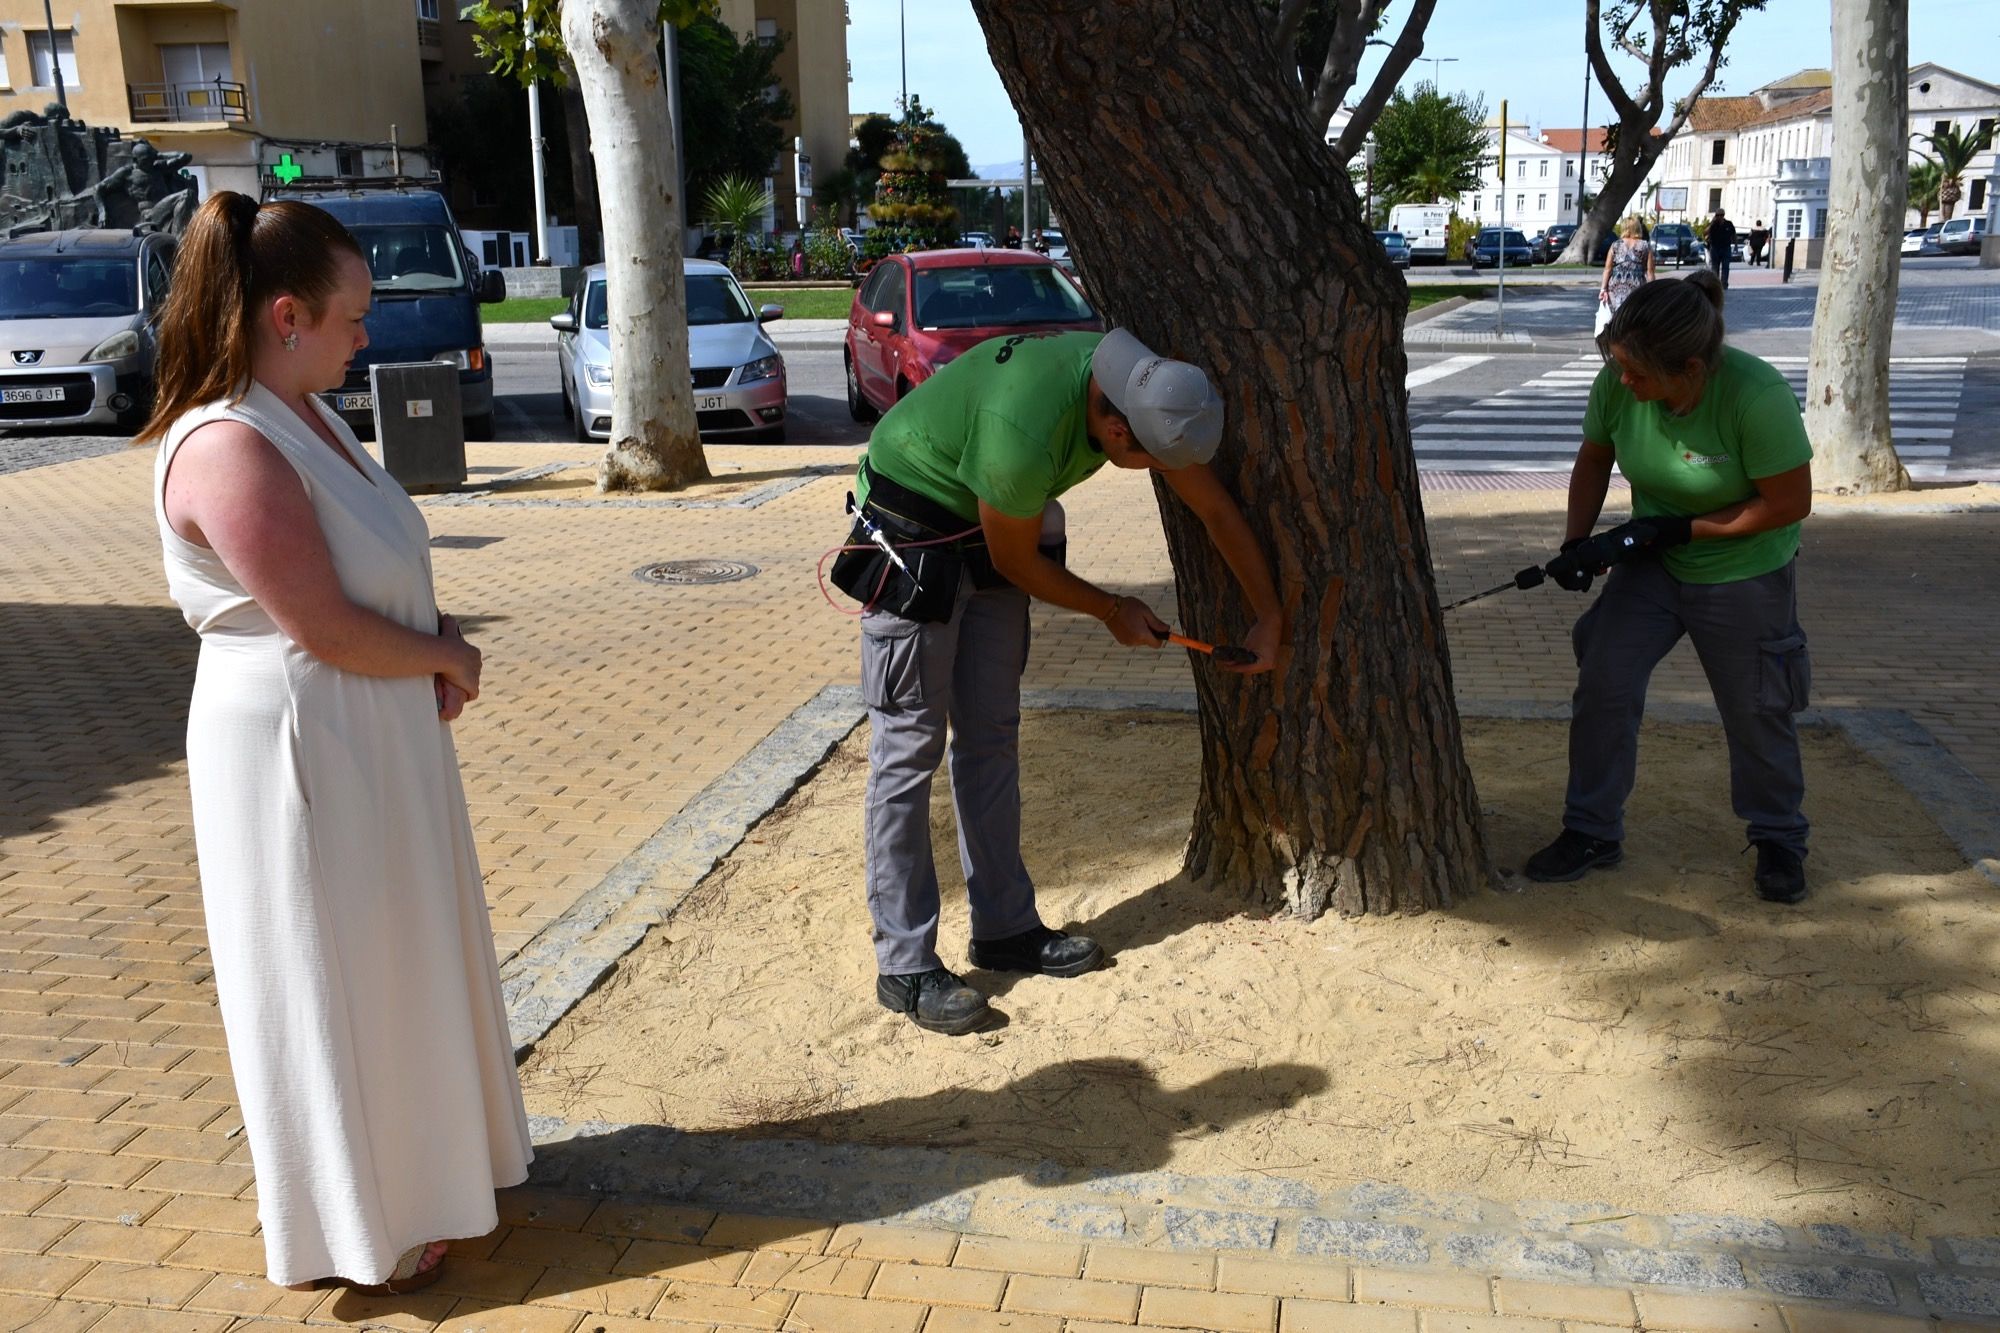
352,949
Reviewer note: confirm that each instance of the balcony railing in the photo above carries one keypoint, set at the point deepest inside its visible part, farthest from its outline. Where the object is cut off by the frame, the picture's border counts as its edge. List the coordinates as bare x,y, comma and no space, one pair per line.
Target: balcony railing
216,99
430,35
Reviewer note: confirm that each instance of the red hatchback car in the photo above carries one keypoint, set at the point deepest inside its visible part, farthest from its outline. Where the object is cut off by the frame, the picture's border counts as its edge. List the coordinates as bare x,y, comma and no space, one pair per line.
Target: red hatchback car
918,311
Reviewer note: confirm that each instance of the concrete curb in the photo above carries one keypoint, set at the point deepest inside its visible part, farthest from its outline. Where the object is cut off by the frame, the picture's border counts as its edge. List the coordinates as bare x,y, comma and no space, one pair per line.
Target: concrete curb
1372,1222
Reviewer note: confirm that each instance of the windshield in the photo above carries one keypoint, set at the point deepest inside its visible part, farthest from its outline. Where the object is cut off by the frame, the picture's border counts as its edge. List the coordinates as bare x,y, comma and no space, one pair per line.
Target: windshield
411,259
712,298
996,297
65,288
1494,238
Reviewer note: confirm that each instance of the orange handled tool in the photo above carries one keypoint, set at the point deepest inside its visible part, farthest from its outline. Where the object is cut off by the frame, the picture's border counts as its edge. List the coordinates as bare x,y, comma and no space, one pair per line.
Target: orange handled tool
1226,654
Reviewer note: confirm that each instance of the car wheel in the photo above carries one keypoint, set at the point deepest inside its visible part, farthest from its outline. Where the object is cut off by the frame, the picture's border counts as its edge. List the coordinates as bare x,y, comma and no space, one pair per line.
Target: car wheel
858,406
569,413
902,388
581,423
771,434
480,429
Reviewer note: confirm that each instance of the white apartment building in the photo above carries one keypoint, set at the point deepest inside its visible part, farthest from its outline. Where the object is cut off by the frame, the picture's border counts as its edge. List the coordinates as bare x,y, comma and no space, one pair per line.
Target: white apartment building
1767,156
1544,172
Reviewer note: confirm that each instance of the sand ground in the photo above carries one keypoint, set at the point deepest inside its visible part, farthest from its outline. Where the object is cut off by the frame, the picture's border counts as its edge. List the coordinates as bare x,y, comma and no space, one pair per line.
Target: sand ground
1653,1037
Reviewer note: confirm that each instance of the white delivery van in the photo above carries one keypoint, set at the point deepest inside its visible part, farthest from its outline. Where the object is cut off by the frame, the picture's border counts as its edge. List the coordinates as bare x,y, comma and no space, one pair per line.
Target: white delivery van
1424,227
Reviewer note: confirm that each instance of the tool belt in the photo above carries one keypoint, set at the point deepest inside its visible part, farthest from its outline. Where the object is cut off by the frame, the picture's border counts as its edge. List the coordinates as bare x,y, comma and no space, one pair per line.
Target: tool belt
933,542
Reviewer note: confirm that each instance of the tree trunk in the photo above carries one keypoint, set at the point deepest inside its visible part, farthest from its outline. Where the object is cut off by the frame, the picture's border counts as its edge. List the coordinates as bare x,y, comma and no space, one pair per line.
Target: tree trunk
615,45
1948,195
1847,373
1340,778
1615,195
582,172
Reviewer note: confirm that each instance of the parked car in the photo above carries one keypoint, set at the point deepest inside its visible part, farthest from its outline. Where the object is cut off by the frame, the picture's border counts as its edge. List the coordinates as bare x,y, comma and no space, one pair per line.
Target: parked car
1558,238
77,312
1675,241
918,311
1961,236
1538,248
1424,226
1395,247
739,376
1487,246
428,290
976,240
1923,240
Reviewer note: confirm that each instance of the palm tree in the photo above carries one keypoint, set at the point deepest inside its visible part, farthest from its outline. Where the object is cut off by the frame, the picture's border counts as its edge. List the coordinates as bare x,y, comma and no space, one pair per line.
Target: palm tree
1953,151
1925,183
736,205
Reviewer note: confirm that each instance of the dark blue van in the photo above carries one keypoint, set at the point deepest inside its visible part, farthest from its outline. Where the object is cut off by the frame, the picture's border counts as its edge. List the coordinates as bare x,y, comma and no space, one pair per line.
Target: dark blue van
428,292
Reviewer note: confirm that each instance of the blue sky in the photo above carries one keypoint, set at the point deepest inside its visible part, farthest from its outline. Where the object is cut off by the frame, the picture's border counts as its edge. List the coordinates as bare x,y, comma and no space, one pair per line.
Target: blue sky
1528,51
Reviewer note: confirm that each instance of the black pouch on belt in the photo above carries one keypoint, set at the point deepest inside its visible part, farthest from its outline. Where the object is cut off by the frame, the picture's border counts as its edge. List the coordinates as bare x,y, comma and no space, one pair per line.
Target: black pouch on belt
925,587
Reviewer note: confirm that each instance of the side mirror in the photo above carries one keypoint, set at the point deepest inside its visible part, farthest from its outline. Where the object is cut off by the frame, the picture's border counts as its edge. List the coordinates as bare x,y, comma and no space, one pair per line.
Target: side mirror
492,287
563,322
883,319
767,313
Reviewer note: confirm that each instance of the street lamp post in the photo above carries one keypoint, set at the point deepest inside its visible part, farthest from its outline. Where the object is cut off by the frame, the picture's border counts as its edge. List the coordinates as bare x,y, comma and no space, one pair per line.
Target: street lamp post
1437,64
55,56
1368,158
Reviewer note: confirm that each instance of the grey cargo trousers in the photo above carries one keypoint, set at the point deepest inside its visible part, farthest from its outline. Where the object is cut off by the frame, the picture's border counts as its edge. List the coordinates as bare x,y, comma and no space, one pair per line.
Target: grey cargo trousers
1752,650
918,680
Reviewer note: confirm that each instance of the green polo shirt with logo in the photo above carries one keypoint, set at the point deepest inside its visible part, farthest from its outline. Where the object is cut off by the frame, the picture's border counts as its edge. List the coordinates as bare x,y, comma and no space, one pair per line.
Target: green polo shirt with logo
1004,422
1746,426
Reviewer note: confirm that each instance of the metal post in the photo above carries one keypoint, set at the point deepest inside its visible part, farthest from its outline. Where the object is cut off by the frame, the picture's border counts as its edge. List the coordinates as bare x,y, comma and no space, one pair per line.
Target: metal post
903,47
1027,190
1583,148
395,155
1500,309
55,56
538,155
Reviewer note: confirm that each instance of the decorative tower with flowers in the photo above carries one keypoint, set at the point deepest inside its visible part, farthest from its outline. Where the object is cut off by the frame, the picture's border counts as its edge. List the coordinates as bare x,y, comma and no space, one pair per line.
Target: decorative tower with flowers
912,208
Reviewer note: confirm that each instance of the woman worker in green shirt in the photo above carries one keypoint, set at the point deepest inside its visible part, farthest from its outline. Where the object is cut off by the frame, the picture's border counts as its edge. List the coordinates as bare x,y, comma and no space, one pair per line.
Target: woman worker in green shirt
1713,444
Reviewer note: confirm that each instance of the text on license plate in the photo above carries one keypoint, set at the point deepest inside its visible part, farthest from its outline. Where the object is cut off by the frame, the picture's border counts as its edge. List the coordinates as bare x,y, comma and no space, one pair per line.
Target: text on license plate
49,394
354,402
713,402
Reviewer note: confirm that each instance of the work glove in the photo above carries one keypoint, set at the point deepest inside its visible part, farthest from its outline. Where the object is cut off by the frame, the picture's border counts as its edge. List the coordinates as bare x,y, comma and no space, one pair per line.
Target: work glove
1636,540
1569,571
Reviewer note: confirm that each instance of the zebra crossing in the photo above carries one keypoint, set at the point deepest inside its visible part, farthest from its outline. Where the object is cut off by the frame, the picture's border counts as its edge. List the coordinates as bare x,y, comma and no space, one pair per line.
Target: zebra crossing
1533,427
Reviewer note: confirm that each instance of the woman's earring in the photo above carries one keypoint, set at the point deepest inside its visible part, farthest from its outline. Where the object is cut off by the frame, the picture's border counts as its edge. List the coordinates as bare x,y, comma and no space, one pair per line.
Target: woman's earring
292,342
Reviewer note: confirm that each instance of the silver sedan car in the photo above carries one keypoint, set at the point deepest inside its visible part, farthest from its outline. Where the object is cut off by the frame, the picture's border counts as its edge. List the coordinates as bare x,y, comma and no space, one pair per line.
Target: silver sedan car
739,376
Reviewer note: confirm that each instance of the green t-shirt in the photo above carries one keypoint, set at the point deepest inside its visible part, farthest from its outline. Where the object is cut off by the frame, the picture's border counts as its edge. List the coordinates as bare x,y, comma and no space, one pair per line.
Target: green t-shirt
1003,423
1747,425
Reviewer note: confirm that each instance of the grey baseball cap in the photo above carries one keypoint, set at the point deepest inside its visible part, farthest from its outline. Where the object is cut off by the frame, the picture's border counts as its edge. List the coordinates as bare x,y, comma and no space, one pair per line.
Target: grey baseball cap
1174,410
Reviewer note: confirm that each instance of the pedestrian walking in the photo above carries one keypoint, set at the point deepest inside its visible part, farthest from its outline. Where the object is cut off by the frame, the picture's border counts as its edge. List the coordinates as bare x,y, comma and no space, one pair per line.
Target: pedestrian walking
353,956
1715,448
1721,245
968,466
1627,264
1760,236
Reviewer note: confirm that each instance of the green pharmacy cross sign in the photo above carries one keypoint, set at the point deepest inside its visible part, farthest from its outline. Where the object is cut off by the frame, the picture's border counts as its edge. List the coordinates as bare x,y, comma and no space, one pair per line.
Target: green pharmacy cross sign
287,171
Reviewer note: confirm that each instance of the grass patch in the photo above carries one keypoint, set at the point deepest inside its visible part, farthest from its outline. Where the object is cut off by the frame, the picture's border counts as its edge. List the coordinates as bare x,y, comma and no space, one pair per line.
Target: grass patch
1432,293
524,310
806,302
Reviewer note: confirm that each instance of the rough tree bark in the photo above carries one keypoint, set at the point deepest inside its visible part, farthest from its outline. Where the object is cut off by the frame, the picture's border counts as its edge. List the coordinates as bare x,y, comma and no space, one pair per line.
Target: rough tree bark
615,46
1679,32
1215,225
1847,373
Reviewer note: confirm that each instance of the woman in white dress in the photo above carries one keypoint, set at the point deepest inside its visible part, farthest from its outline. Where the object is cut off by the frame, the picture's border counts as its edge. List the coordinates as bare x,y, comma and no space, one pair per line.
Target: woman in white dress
353,955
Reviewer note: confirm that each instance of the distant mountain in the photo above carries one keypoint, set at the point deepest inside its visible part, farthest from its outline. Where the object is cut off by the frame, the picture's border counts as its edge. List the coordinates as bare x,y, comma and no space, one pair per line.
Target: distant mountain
998,170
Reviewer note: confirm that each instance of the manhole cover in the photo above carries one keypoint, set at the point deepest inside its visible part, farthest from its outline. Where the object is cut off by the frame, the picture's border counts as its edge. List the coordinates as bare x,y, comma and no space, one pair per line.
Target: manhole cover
677,573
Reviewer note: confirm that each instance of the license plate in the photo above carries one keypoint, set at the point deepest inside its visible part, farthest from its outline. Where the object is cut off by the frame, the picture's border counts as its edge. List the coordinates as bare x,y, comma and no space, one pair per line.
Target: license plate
354,402
34,395
711,403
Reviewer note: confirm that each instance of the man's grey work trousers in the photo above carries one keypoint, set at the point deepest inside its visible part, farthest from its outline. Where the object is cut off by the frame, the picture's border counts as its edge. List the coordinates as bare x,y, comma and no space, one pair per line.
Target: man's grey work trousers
917,679
1754,653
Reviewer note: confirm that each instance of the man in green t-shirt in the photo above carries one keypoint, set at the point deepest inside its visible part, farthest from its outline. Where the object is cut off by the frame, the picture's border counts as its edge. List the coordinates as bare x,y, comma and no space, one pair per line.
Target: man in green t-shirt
1714,446
978,453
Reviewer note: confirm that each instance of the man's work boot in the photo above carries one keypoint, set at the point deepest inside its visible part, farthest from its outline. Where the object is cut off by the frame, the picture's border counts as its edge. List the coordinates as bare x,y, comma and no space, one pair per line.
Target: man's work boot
936,1001
1572,856
1049,952
1781,873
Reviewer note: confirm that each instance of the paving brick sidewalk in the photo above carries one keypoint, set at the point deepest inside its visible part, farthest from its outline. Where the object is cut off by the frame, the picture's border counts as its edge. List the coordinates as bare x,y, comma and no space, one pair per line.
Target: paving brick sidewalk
125,1192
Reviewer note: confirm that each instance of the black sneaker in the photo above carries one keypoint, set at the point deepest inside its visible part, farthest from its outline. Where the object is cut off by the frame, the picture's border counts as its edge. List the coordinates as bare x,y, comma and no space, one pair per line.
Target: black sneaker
1781,873
936,1001
1572,856
1049,952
